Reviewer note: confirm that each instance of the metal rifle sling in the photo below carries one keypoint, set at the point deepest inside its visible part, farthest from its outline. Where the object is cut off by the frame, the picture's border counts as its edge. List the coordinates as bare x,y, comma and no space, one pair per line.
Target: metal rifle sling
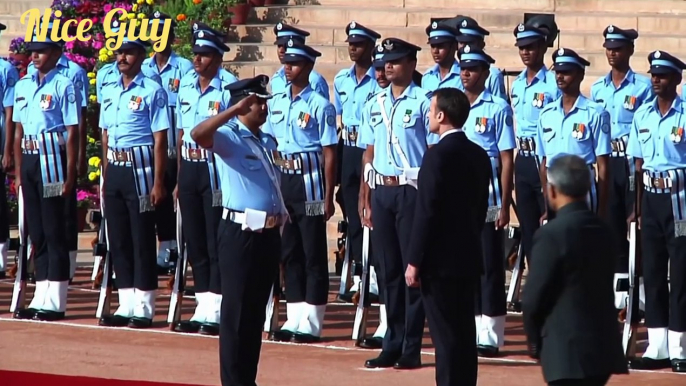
181,266
19,291
361,314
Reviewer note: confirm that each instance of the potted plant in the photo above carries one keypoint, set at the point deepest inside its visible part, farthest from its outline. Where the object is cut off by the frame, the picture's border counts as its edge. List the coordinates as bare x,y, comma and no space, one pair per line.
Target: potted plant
240,10
12,202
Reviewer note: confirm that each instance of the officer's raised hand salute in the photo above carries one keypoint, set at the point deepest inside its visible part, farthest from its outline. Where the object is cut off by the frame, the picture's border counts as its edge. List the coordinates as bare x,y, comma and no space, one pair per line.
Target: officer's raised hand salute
573,124
134,119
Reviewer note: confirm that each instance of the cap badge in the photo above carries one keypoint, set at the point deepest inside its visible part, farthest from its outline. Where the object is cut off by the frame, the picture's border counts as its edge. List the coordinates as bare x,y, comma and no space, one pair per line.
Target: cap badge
657,55
434,25
195,26
467,49
352,24
388,45
279,26
201,34
157,14
379,48
115,24
264,82
610,29
521,27
561,51
290,43
464,23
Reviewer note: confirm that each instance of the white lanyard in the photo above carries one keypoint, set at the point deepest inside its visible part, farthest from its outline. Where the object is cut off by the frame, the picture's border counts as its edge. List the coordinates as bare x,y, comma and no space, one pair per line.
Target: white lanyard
389,128
270,171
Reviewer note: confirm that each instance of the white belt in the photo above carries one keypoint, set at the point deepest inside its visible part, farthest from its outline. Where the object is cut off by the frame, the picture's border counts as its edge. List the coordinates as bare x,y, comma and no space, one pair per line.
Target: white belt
33,145
656,182
239,218
400,180
189,154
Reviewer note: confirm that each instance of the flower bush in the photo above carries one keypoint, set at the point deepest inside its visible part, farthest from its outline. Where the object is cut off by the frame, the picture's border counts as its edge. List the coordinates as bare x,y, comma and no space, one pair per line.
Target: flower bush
85,199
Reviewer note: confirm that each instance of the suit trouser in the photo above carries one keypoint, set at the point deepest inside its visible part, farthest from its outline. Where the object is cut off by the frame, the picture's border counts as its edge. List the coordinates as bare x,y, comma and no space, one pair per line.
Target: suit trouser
448,304
248,262
200,221
165,218
620,205
392,216
4,221
131,234
529,199
592,381
490,291
51,257
350,184
303,247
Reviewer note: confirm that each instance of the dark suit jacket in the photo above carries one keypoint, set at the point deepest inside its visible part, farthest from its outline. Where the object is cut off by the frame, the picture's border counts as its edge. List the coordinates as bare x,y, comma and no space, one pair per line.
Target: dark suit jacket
452,200
568,298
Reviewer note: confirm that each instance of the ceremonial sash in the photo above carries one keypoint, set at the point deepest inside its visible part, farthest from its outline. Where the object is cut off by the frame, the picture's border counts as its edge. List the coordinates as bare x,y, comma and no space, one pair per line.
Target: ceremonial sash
619,150
49,146
171,136
676,187
140,159
207,156
494,191
312,171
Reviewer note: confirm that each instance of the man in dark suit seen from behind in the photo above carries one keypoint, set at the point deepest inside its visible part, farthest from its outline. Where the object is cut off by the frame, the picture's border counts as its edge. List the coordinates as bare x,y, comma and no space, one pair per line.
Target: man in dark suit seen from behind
445,250
568,300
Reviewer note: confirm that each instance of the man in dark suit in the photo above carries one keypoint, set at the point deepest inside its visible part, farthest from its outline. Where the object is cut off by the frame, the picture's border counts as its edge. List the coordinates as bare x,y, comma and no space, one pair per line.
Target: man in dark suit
568,300
445,250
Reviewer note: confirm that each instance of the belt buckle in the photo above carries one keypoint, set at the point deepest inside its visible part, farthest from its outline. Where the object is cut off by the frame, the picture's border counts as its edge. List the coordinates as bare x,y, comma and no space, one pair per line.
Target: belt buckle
29,145
656,183
271,222
352,136
388,180
121,156
194,154
615,145
524,146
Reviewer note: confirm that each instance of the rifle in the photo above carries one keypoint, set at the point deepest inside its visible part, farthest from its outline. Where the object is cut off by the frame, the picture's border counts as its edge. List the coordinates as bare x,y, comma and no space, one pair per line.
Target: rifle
271,321
180,259
21,244
348,266
102,255
515,233
97,258
360,326
632,318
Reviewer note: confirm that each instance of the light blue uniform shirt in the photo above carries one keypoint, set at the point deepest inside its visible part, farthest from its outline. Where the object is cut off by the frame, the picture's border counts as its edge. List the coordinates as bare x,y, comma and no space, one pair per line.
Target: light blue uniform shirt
317,82
350,96
45,107
366,117
245,183
528,100
8,79
622,102
171,74
584,132
431,80
132,115
410,124
194,106
109,74
651,137
490,124
75,73
318,117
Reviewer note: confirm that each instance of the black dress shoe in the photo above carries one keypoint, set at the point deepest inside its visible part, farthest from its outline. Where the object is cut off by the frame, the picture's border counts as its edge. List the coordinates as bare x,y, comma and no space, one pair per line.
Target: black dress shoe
304,338
371,343
345,298
405,363
136,322
187,326
48,316
384,360
281,336
211,329
679,365
113,321
25,313
487,351
649,364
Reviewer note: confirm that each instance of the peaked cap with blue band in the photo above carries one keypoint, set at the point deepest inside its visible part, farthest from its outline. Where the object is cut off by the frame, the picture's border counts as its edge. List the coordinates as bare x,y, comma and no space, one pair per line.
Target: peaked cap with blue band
205,42
245,87
297,51
357,33
163,17
128,44
397,49
377,57
35,45
285,32
617,37
565,59
470,30
199,26
441,33
474,57
663,63
528,34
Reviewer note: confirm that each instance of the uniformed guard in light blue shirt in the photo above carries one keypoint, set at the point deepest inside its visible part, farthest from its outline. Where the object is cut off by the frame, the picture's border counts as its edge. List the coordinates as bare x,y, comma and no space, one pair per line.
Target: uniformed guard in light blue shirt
8,78
353,87
171,68
202,94
284,33
304,125
198,27
249,239
134,120
396,135
621,92
658,145
473,34
531,91
574,124
45,110
490,126
446,71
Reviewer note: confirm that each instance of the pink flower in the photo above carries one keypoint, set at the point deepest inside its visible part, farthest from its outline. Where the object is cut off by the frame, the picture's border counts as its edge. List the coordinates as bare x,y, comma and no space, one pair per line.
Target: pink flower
97,45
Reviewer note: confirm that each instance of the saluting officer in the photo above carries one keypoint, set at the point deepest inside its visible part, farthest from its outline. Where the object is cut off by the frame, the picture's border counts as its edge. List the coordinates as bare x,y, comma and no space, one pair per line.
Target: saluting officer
658,145
621,92
8,78
396,135
304,124
490,126
46,109
79,78
249,232
198,27
532,90
446,71
353,87
284,33
134,119
202,94
171,68
573,124
473,34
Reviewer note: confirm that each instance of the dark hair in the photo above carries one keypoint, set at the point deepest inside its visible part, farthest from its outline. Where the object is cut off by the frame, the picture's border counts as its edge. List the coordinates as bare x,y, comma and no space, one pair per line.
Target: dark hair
454,104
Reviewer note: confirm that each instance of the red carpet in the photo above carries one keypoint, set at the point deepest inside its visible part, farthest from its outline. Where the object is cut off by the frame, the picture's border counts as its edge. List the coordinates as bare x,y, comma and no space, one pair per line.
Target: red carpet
16,378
